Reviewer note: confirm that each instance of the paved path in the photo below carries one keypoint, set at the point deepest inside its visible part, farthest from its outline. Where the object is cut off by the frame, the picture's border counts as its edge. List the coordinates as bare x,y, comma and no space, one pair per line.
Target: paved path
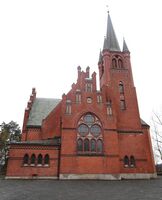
81,190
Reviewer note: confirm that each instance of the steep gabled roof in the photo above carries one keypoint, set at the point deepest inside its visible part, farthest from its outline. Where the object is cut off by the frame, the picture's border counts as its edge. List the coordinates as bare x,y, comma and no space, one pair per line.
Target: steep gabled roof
40,110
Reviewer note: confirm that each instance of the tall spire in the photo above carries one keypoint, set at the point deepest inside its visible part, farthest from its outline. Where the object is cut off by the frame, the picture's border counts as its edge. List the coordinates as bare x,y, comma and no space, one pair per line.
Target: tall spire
111,42
100,57
125,47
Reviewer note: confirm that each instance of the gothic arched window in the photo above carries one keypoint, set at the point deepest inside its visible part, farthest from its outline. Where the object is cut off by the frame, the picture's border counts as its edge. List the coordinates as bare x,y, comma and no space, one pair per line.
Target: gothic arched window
93,145
89,134
32,159
46,159
40,159
26,159
99,146
126,161
120,64
86,145
132,161
114,63
121,88
80,145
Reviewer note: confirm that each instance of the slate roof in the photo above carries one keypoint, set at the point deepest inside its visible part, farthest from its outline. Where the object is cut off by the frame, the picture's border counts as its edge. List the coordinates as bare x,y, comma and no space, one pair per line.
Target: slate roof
50,142
111,42
40,110
144,123
125,47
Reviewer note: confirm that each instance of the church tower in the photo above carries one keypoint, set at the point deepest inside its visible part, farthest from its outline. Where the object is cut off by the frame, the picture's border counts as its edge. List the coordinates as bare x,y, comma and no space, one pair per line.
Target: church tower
115,74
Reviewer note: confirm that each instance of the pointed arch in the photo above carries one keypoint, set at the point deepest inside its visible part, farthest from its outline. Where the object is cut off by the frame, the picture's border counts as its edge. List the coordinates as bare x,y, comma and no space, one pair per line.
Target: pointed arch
93,145
80,145
89,131
120,63
46,159
86,145
132,161
26,159
114,63
33,159
121,87
126,161
99,146
40,159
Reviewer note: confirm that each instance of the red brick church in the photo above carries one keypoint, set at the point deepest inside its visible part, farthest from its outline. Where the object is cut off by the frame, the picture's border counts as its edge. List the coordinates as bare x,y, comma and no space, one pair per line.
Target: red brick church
89,133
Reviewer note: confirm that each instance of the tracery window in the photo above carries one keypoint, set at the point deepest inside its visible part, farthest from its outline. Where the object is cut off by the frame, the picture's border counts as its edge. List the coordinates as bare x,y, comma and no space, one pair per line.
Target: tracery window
89,135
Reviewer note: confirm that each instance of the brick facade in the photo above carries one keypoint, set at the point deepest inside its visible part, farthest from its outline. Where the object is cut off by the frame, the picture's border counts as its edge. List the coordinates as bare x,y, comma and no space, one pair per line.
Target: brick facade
88,134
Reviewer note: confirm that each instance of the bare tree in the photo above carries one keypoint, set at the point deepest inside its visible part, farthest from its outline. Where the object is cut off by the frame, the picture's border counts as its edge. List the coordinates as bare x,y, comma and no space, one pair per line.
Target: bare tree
157,135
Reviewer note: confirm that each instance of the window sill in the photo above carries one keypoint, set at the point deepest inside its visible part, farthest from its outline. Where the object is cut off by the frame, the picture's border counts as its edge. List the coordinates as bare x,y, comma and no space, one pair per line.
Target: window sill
90,154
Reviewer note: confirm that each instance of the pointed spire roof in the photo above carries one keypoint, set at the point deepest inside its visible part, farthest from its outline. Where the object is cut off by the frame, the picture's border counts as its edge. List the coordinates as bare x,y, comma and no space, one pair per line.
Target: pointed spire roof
100,57
125,47
111,42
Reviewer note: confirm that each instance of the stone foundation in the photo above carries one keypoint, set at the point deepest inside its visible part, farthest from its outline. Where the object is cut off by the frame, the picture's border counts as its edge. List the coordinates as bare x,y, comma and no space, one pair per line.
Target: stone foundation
106,176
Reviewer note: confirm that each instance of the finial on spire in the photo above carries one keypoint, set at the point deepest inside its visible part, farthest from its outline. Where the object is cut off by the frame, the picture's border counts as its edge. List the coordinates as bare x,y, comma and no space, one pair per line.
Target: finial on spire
107,8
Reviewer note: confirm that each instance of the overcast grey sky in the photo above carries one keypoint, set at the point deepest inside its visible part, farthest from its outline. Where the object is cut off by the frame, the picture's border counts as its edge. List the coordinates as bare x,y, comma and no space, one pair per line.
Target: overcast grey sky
43,42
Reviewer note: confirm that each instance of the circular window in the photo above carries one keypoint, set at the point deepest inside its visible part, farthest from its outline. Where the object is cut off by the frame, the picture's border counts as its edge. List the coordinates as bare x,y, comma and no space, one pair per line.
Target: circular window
89,119
83,130
95,130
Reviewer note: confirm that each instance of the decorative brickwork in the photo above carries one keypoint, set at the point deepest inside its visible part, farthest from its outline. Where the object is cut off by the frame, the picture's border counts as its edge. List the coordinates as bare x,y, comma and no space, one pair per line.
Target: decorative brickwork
88,134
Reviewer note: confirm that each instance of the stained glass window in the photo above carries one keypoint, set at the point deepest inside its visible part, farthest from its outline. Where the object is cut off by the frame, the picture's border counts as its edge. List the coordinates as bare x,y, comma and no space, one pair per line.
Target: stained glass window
95,130
83,129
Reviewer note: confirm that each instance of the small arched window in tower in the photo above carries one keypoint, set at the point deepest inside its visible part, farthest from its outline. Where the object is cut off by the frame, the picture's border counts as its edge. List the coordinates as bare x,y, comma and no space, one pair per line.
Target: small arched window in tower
68,107
120,64
46,159
40,159
122,105
80,145
109,107
132,161
114,63
126,161
26,160
32,159
121,88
